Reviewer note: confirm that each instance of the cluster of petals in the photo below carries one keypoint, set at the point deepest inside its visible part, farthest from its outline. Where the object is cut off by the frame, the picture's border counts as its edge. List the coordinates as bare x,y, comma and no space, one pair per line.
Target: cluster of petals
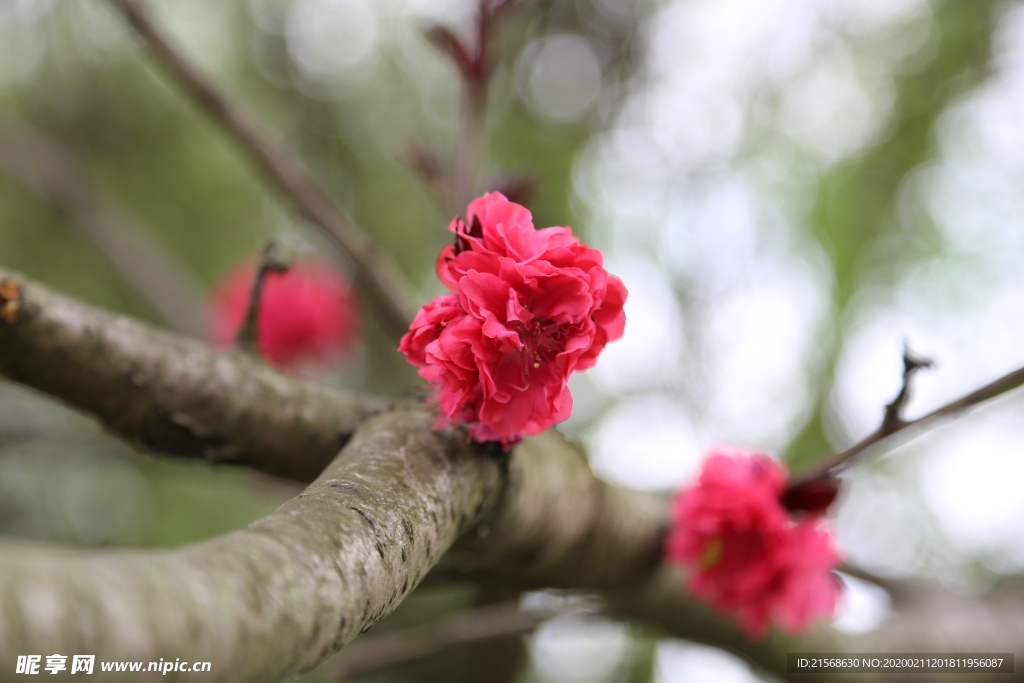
747,554
307,315
528,307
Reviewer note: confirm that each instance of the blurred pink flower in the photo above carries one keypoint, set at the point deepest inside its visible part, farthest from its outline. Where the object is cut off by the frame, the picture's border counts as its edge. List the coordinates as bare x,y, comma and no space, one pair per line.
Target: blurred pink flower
747,555
307,315
529,308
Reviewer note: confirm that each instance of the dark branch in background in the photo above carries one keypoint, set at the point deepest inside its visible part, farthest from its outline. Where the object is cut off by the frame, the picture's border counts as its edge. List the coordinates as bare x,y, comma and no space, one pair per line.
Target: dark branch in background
893,417
472,61
172,394
272,262
55,176
469,626
376,275
814,493
840,461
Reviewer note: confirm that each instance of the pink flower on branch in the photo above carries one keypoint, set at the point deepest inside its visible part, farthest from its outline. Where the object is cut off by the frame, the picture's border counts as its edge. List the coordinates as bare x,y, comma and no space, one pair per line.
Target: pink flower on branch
528,308
748,556
307,315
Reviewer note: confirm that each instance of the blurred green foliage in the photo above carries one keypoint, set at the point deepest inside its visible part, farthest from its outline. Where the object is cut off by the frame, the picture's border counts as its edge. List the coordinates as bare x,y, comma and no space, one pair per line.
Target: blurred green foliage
858,200
150,151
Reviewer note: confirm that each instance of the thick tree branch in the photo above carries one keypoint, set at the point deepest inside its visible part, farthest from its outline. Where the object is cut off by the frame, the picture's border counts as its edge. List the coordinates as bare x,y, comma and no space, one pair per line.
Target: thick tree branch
376,275
536,518
278,597
933,619
172,394
560,526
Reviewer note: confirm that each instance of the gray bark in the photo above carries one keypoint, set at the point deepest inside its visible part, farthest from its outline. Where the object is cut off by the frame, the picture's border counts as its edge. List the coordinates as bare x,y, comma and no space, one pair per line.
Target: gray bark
278,597
165,392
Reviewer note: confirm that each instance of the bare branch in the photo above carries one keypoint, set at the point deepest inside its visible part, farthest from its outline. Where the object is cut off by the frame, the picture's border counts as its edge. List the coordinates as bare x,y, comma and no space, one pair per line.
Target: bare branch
172,394
376,275
893,417
52,173
843,459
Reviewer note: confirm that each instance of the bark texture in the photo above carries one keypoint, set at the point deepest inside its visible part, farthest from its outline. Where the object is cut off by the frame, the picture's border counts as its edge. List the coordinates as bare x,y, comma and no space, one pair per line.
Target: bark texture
168,393
278,597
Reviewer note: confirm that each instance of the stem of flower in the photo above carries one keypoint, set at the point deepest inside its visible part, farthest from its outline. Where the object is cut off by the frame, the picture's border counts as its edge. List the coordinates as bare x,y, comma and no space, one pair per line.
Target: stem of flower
248,334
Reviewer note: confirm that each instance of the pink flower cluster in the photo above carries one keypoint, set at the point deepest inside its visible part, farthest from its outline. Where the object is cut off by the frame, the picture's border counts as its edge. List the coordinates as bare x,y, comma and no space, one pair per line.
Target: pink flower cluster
528,308
747,554
307,315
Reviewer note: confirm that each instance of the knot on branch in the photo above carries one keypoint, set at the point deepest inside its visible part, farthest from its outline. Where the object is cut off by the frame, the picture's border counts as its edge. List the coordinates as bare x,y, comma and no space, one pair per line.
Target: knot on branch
893,421
10,301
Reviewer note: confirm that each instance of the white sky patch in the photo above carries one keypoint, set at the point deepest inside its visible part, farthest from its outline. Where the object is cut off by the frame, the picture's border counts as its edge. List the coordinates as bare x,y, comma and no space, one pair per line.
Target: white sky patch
758,343
559,77
680,662
834,108
972,483
877,525
575,649
622,175
863,606
713,233
649,349
645,442
332,39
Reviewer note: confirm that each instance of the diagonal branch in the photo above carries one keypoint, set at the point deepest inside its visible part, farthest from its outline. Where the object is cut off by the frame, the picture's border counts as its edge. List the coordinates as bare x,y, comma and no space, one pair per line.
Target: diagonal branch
890,427
376,275
54,175
168,393
274,599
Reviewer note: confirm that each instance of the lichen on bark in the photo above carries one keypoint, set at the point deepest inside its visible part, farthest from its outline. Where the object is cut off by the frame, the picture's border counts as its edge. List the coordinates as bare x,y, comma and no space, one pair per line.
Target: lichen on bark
171,394
279,596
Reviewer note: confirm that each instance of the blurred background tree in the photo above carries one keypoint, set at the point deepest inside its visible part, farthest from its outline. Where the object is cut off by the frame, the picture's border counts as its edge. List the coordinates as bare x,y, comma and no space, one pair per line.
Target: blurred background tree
789,189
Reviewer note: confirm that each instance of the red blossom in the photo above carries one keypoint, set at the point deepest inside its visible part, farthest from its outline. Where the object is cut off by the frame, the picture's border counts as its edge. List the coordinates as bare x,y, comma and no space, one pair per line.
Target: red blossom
528,308
747,555
307,315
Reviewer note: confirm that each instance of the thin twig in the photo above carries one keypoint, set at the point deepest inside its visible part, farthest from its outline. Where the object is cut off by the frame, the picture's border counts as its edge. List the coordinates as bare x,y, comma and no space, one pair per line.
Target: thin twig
272,262
893,416
840,461
52,173
469,626
377,276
